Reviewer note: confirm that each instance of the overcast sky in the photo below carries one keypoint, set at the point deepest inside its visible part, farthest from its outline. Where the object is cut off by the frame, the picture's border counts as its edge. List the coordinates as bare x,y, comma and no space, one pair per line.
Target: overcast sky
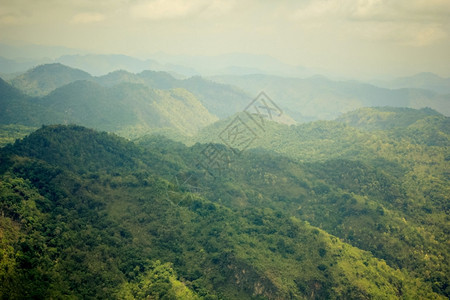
351,37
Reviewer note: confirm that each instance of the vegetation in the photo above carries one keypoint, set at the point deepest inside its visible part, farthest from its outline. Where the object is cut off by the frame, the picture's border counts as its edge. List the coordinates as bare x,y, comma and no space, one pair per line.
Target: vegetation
401,171
131,109
43,79
90,215
9,133
219,99
356,208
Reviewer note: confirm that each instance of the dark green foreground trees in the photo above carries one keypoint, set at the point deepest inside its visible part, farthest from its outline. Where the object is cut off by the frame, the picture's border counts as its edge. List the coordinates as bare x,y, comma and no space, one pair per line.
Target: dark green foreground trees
89,215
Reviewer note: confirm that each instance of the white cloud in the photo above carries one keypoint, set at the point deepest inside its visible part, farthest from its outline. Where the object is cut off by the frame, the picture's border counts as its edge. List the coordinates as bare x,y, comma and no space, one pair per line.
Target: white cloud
163,9
414,35
321,33
401,10
319,9
403,22
86,18
173,9
218,7
376,10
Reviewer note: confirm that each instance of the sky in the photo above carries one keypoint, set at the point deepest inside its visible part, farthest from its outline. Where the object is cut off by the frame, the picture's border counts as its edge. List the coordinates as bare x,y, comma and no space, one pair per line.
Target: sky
349,37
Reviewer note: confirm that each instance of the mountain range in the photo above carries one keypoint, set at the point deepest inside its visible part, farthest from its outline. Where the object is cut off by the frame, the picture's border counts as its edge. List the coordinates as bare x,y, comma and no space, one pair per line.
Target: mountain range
15,59
301,99
426,80
221,100
329,210
319,98
20,58
125,107
149,185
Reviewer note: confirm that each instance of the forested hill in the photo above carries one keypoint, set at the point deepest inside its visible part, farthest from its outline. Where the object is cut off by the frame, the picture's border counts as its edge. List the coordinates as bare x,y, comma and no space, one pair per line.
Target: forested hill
126,108
377,118
91,215
220,99
44,79
303,99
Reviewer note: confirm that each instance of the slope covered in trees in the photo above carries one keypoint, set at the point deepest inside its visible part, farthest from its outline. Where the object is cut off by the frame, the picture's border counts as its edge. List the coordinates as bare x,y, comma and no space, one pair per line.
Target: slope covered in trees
87,214
220,99
127,108
9,133
403,168
43,79
385,117
307,99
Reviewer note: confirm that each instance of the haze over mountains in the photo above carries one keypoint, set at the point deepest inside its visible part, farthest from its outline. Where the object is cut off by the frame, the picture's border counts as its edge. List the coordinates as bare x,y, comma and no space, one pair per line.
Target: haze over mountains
14,59
225,150
321,98
302,95
20,59
301,100
426,80
127,106
343,196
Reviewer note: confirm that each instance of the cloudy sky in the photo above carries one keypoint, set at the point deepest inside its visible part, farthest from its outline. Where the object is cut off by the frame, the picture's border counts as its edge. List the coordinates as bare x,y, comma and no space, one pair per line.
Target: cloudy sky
351,37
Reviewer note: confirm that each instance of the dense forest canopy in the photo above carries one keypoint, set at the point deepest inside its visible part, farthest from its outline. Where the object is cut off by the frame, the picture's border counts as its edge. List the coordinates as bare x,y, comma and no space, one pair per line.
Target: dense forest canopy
140,191
89,214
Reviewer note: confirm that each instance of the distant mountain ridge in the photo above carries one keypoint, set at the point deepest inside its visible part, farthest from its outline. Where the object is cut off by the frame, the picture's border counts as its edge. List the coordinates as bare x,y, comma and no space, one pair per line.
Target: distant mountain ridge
425,80
319,98
126,107
234,64
220,99
385,117
424,126
304,99
43,79
99,65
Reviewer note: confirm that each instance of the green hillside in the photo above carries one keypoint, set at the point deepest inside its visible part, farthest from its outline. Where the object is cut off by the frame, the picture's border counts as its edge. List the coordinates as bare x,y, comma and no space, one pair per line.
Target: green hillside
90,215
424,126
43,79
219,99
9,133
16,107
403,168
370,118
127,108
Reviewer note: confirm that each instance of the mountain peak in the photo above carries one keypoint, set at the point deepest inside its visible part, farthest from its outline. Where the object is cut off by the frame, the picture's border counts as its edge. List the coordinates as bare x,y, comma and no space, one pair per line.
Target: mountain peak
76,145
43,79
425,75
52,67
